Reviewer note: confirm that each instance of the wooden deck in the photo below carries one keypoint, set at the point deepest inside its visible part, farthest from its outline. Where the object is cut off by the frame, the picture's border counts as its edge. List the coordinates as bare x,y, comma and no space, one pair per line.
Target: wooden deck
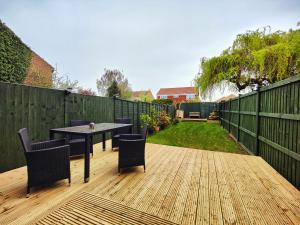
181,185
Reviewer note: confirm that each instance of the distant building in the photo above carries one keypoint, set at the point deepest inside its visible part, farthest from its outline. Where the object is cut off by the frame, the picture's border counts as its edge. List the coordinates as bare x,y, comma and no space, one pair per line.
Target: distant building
179,94
142,95
40,72
226,98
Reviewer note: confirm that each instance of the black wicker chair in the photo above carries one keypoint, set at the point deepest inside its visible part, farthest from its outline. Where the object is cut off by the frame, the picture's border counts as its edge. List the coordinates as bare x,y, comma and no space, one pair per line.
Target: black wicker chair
116,134
77,142
132,149
47,161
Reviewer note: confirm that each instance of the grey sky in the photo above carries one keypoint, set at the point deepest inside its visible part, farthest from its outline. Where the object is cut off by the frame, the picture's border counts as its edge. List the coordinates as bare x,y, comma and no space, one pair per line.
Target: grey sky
155,43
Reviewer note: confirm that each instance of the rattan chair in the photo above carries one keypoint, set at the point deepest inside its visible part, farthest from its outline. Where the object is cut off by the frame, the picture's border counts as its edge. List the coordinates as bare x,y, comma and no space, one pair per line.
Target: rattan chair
116,134
47,161
77,142
132,149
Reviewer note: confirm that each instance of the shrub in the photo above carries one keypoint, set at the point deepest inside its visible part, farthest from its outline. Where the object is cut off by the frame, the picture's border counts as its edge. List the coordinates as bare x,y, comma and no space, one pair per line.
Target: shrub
152,119
164,119
15,56
163,101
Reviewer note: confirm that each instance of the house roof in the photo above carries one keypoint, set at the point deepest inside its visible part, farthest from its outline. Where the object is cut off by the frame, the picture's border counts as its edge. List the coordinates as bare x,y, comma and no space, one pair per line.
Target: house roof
226,98
137,94
177,90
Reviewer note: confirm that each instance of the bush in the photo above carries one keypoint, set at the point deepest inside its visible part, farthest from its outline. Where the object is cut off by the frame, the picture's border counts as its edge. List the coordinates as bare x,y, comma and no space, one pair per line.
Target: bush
164,119
15,56
151,119
163,101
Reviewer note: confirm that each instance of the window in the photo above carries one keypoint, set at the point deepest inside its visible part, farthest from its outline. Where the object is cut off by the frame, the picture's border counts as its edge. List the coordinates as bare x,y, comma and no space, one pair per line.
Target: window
163,97
176,96
190,96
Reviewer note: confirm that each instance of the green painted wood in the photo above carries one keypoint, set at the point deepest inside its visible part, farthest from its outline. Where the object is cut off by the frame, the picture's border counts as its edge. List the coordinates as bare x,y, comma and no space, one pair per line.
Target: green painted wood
269,124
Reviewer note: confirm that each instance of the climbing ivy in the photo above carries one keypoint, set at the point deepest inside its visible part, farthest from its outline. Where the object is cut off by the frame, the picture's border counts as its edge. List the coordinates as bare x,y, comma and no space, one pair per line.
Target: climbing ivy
15,56
255,58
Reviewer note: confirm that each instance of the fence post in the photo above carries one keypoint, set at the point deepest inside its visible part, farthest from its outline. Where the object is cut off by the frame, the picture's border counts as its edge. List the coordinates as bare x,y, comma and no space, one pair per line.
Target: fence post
257,121
229,119
114,99
138,117
239,118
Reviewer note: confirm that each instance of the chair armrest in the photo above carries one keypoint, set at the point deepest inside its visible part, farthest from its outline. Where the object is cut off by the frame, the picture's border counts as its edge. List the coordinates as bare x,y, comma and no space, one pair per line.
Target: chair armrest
49,154
48,144
131,136
49,159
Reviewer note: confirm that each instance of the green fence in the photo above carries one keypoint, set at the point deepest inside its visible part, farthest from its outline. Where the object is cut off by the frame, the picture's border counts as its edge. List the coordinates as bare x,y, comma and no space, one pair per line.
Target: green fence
267,123
40,109
205,108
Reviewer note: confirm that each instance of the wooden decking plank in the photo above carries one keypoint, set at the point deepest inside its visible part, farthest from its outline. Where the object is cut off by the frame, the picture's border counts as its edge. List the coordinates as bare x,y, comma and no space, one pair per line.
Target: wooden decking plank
288,207
190,209
227,208
184,185
215,215
182,194
258,198
203,205
235,198
159,197
170,199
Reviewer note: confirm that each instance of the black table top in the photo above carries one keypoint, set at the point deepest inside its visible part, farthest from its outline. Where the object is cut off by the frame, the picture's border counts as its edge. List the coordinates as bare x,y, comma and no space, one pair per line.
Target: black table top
85,129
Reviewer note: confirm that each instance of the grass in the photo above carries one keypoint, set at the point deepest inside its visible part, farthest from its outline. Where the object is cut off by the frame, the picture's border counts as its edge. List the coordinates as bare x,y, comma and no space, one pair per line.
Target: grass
200,135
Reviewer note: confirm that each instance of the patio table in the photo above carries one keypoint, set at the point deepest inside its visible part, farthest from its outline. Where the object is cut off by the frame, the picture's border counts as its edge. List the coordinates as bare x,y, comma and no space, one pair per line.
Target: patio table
88,133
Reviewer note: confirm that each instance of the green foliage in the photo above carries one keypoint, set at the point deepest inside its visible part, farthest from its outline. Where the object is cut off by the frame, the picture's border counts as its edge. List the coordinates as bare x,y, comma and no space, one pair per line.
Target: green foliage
164,119
113,89
114,75
207,136
163,101
63,82
152,119
86,91
15,56
255,58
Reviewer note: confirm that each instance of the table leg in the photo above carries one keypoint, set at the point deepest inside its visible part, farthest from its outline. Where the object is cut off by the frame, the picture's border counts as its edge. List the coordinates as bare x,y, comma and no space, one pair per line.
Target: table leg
103,141
92,146
87,159
51,135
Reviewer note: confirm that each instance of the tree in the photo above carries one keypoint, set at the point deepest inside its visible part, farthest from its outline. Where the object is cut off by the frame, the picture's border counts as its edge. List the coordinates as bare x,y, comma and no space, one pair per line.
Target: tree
256,58
114,75
63,81
86,91
113,89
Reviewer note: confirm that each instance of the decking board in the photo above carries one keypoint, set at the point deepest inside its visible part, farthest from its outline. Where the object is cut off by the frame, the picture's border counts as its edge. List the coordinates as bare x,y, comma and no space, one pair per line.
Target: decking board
185,186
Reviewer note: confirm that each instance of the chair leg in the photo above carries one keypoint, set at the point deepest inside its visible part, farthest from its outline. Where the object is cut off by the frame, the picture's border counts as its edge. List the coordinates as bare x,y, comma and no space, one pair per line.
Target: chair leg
69,180
144,168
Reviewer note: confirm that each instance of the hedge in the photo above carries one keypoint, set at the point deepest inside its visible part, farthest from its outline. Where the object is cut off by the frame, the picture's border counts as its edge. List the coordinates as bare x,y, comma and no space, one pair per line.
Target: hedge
15,56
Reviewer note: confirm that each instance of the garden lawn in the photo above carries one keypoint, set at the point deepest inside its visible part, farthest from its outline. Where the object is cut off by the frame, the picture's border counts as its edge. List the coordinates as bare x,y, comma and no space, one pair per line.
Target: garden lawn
201,135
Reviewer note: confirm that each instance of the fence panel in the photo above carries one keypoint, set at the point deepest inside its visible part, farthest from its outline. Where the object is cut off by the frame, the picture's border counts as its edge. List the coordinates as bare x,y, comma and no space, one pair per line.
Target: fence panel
268,125
205,108
40,109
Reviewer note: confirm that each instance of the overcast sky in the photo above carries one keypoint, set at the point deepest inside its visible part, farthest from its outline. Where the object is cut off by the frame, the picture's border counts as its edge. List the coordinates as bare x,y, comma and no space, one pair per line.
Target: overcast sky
155,43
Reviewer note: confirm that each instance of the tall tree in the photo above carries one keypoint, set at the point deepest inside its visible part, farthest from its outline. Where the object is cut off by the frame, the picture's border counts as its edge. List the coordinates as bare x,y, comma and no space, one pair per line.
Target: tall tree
113,89
256,58
114,75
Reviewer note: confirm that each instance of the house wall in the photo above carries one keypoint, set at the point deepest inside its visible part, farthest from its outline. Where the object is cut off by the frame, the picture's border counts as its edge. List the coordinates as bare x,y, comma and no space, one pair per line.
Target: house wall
180,98
39,72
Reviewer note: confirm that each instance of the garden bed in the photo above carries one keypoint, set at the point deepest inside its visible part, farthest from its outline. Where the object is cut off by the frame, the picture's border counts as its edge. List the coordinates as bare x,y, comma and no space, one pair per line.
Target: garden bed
207,136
